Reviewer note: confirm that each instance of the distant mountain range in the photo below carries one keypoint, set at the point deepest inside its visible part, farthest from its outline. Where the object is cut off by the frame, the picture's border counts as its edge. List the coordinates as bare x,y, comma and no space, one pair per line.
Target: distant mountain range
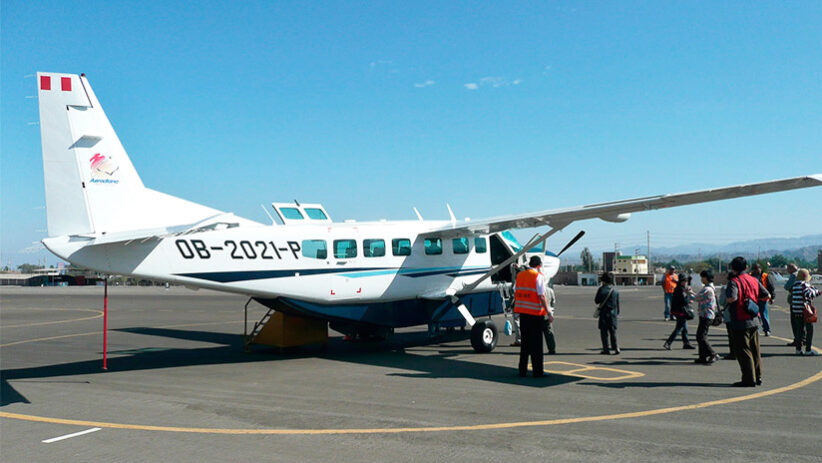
805,247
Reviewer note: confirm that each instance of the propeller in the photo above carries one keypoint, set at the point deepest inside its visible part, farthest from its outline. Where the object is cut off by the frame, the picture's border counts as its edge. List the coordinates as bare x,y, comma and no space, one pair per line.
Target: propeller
572,242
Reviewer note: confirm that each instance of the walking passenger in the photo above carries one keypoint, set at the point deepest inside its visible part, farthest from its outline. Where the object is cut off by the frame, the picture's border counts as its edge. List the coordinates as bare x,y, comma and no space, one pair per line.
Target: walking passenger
548,328
742,293
668,285
607,299
706,300
756,272
531,305
680,299
726,317
802,294
792,269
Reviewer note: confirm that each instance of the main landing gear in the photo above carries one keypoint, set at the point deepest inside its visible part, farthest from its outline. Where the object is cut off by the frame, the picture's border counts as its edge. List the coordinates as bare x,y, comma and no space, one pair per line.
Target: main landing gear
484,336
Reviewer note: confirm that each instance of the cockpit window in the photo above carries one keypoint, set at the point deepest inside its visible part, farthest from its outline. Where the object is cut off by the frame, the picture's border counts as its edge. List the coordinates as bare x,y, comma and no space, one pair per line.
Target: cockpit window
291,213
511,240
315,214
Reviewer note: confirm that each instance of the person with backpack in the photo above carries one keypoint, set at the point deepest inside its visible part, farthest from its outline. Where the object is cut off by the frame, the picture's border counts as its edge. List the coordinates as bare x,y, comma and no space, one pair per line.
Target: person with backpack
607,300
802,295
681,311
756,272
706,300
742,293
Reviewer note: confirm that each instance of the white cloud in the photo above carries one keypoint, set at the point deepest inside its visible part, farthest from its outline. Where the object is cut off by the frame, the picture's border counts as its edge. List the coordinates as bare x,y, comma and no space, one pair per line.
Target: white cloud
34,248
493,82
427,83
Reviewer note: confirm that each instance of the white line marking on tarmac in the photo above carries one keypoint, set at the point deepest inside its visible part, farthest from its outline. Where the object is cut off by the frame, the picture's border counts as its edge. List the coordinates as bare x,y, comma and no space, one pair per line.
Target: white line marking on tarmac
69,436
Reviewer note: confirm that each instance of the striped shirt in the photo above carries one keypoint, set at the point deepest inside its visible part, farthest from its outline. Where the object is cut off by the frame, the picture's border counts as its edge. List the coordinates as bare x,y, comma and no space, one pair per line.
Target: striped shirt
801,292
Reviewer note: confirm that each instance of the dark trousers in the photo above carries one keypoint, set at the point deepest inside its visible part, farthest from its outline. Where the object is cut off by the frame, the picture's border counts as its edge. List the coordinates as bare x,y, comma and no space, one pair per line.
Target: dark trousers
798,328
531,329
705,350
730,339
802,332
746,349
681,327
548,332
608,330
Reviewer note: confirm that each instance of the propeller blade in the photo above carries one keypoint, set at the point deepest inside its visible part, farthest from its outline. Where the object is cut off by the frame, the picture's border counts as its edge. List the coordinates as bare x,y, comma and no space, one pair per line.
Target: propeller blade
571,243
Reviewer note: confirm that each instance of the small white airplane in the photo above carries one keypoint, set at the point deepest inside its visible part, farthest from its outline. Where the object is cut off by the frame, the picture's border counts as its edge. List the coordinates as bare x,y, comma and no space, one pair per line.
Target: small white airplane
359,276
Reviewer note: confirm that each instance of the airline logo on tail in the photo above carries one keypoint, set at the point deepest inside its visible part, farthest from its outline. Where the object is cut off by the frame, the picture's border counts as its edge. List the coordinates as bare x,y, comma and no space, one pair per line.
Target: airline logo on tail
103,169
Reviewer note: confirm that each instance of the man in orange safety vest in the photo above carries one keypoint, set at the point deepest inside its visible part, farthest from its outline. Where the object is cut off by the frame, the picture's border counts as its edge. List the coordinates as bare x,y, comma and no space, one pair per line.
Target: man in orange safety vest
532,306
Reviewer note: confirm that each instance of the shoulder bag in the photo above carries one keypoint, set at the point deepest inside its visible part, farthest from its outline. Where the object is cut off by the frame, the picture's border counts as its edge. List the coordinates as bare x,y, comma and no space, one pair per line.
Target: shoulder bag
809,314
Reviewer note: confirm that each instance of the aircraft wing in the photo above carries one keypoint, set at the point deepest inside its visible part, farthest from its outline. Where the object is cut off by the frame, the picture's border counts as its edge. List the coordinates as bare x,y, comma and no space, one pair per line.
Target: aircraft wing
620,211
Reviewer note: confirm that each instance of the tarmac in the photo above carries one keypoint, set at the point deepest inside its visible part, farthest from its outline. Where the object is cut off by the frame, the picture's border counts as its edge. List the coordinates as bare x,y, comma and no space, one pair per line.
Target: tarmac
181,387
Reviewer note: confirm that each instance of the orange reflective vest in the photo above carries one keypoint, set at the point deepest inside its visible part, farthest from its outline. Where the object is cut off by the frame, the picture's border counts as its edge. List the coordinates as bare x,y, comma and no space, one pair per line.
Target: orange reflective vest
526,299
669,283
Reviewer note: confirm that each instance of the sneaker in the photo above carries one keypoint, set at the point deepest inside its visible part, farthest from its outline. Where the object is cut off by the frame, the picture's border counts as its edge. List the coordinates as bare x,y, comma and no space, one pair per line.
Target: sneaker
811,353
758,381
767,333
604,352
798,352
617,351
688,346
666,346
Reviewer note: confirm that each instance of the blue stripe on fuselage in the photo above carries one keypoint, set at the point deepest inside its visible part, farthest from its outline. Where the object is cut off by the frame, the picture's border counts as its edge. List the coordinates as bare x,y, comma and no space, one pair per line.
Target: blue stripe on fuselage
229,277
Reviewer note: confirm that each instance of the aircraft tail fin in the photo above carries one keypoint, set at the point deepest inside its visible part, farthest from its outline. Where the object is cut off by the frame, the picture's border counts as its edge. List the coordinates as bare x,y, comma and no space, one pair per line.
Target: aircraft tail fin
91,184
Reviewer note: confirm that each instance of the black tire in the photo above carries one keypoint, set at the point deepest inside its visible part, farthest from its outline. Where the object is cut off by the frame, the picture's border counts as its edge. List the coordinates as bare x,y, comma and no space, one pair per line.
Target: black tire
484,336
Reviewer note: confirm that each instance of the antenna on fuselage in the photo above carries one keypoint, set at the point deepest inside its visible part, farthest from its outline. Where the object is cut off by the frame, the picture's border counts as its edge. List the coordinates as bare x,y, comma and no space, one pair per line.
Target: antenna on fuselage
419,216
451,213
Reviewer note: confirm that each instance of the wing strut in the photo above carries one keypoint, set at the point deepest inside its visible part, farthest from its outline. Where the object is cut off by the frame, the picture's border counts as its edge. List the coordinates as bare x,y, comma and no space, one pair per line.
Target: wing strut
536,239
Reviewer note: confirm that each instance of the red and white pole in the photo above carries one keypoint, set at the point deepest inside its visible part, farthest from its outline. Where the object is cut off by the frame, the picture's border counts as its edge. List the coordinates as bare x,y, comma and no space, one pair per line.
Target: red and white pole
105,322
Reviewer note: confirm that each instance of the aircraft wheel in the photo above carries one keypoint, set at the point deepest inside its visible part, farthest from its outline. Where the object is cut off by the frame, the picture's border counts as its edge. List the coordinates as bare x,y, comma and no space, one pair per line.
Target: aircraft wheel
484,336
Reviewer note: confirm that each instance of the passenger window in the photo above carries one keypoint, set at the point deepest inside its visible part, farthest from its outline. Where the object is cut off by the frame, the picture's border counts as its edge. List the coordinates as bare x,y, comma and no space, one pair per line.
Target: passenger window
315,214
291,213
315,249
373,248
401,247
480,245
433,246
460,245
345,249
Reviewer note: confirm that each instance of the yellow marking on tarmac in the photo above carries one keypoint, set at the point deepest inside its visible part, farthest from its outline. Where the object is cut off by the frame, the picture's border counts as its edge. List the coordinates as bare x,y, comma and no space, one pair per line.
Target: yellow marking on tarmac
624,374
478,427
71,320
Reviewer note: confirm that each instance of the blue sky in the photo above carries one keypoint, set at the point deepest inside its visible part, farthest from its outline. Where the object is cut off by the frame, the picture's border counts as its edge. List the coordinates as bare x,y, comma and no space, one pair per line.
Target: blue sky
494,107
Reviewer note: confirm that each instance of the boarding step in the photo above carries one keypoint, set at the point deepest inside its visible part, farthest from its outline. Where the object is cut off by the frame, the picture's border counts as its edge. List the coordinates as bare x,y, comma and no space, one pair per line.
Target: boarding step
279,329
